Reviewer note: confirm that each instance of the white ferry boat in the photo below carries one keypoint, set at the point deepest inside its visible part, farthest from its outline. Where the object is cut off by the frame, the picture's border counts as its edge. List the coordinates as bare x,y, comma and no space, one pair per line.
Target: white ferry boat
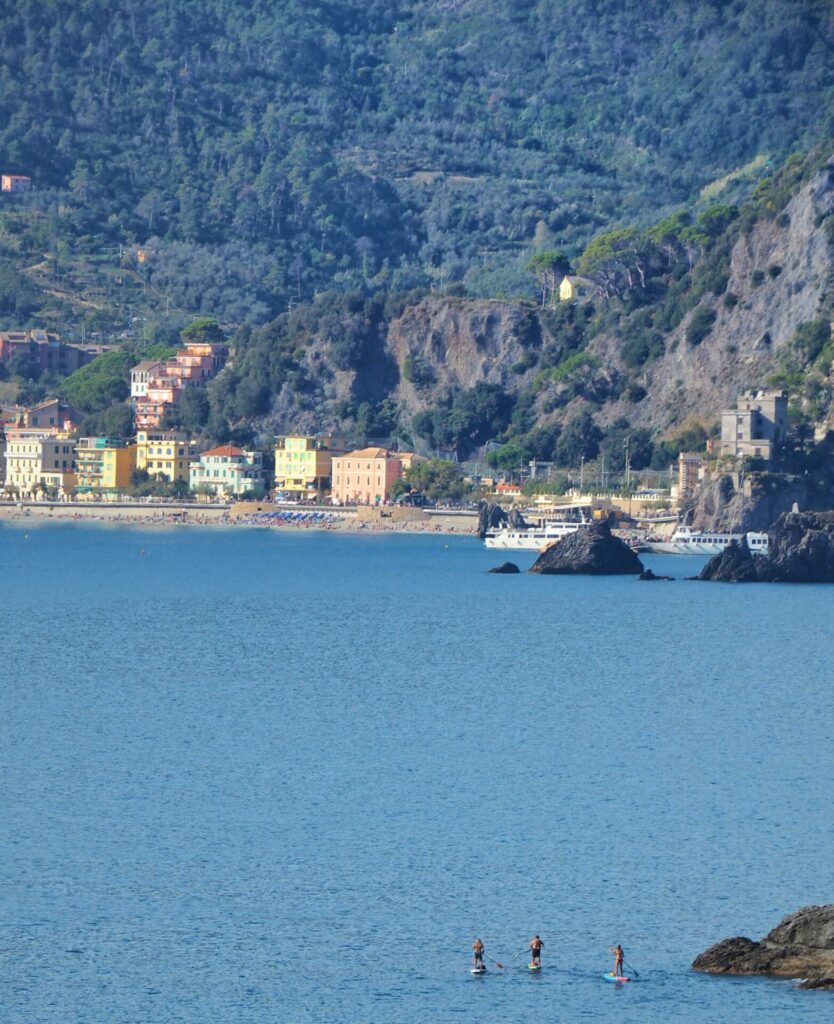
687,541
535,537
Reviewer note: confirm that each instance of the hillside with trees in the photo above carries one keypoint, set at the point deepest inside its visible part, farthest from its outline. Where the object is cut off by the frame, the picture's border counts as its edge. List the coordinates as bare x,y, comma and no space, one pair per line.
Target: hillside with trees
258,154
679,317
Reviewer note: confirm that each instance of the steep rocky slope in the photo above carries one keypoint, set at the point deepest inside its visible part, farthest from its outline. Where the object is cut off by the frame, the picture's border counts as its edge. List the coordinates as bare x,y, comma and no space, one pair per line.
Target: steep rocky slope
779,276
461,343
794,257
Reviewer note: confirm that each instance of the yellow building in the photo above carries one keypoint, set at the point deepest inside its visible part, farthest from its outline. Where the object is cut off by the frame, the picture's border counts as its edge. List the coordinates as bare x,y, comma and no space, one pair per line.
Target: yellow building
304,465
103,465
575,289
165,453
38,461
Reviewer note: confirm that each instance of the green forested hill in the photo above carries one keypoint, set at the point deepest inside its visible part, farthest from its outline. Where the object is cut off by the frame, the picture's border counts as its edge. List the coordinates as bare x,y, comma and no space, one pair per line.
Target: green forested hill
265,151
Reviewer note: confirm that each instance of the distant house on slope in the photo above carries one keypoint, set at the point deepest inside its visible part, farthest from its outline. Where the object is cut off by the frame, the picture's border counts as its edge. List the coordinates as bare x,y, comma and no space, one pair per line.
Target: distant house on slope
15,183
575,289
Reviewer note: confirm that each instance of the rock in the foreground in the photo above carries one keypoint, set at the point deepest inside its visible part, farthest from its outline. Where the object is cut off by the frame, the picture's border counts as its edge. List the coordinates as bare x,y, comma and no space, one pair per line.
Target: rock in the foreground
800,946
593,551
800,550
505,568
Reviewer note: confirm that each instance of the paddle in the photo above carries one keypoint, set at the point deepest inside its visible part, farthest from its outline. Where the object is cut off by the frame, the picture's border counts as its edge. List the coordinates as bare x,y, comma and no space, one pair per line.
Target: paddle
628,965
501,966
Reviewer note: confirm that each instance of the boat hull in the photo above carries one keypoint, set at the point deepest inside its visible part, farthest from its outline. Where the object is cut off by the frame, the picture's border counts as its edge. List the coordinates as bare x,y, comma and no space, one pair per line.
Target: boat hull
529,540
709,545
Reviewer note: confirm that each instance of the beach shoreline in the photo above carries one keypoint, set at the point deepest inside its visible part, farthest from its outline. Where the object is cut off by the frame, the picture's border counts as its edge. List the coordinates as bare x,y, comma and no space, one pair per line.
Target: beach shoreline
351,521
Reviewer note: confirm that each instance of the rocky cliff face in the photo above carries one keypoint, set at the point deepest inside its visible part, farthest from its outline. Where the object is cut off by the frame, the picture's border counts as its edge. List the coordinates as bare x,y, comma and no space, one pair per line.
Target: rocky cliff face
781,275
795,259
800,550
723,505
458,343
801,945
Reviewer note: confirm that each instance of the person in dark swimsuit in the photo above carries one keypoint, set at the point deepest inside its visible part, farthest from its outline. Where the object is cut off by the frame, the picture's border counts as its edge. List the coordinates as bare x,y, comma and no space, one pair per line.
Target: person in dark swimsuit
618,959
536,949
478,953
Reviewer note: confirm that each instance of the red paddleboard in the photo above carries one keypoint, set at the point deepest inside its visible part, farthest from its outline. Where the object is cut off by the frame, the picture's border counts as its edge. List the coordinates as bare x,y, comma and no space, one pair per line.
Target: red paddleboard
615,977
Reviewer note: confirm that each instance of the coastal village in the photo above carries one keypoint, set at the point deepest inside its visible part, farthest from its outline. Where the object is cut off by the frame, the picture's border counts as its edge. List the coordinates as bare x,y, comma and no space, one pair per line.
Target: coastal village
45,459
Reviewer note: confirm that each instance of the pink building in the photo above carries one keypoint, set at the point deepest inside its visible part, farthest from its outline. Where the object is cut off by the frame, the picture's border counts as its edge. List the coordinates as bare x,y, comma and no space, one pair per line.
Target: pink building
193,366
365,476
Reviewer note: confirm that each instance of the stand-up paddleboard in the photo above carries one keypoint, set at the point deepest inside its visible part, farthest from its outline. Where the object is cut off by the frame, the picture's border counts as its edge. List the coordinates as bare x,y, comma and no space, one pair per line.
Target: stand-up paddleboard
615,977
478,970
534,967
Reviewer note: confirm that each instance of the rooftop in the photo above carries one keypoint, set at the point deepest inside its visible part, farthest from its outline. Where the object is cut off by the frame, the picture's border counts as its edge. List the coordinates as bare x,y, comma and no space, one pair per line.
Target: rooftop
367,453
225,450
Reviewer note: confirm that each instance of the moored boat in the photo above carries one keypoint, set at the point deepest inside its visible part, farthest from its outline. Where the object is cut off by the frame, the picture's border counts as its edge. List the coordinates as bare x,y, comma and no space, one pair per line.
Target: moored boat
534,538
688,541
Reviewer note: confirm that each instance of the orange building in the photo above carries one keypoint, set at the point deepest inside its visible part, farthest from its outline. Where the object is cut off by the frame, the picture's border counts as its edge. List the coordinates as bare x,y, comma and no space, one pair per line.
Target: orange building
365,476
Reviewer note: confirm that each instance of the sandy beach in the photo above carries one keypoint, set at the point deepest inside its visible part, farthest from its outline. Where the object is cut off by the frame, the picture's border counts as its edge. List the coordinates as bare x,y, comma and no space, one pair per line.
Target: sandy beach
249,515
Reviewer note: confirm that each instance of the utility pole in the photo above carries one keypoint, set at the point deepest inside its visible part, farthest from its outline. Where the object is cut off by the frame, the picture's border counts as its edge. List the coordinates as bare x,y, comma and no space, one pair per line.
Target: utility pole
582,474
627,445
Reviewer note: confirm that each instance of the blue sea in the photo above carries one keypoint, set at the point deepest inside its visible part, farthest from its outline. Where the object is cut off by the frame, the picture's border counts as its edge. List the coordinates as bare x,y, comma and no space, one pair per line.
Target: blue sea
254,776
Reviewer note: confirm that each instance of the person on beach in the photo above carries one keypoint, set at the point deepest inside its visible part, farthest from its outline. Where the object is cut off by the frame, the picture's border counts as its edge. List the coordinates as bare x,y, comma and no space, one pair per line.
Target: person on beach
618,959
477,953
536,949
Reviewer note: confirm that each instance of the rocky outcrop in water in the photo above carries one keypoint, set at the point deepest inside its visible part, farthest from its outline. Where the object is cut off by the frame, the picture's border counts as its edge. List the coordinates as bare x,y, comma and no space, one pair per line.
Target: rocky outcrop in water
800,946
591,552
649,577
505,568
490,517
800,550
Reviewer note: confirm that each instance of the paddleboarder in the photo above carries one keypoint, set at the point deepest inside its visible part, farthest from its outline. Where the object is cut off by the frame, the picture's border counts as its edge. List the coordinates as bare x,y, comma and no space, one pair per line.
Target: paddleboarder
536,949
618,959
478,954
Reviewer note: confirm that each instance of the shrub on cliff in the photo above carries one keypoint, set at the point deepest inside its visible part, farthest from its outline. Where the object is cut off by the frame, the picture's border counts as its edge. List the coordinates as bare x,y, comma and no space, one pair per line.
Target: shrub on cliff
700,325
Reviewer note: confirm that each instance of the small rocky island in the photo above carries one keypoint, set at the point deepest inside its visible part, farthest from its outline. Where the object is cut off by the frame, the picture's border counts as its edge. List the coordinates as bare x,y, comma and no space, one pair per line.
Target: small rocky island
593,551
800,550
800,946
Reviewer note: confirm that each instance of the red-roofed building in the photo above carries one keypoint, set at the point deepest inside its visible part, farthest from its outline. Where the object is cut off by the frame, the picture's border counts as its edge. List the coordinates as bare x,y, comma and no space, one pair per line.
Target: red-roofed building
228,472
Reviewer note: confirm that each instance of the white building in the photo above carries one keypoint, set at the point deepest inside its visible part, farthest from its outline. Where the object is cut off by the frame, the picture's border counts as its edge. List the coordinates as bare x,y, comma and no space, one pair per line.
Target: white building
140,377
228,472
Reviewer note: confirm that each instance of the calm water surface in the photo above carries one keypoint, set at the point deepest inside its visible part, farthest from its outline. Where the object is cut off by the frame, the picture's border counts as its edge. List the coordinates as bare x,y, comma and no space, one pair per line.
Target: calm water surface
264,777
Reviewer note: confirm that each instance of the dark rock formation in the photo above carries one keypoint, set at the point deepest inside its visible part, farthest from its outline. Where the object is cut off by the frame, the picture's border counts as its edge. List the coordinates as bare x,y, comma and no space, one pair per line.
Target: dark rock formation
720,506
800,550
505,567
800,946
517,520
593,552
490,517
648,575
